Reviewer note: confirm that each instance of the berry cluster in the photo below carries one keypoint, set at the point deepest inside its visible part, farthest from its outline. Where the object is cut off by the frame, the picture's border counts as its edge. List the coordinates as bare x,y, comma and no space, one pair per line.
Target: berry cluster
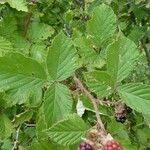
84,146
121,112
112,145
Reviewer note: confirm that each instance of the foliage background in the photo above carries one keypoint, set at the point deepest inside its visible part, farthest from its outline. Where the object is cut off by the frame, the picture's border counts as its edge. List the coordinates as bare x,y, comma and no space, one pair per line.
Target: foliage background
33,31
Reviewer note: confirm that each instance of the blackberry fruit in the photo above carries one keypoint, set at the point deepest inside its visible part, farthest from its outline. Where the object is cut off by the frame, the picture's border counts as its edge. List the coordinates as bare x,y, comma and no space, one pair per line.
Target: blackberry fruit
121,119
128,109
112,145
84,146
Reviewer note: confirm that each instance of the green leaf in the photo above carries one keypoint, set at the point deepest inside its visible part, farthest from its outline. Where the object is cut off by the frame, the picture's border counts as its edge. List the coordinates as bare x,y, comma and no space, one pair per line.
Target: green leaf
137,96
40,127
6,127
120,62
43,145
57,104
99,82
46,1
20,43
86,50
38,52
86,102
20,75
101,77
69,131
7,144
118,131
35,98
18,4
39,31
61,59
24,95
102,24
103,109
137,33
142,136
21,118
2,102
5,46
147,119
8,26
89,54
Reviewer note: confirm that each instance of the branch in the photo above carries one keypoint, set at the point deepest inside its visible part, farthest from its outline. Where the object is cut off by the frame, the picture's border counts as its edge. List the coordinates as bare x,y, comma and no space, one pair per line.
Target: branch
94,102
16,139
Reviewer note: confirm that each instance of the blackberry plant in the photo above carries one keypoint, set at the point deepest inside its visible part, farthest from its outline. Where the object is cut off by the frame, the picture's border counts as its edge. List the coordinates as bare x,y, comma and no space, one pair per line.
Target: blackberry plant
74,71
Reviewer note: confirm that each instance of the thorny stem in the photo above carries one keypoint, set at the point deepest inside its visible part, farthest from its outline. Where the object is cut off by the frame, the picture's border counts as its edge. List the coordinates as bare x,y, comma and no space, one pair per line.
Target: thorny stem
93,100
16,139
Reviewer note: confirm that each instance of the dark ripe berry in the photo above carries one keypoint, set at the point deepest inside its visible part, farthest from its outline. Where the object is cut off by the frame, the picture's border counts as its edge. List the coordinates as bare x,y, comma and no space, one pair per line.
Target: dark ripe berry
112,145
84,146
128,109
120,117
